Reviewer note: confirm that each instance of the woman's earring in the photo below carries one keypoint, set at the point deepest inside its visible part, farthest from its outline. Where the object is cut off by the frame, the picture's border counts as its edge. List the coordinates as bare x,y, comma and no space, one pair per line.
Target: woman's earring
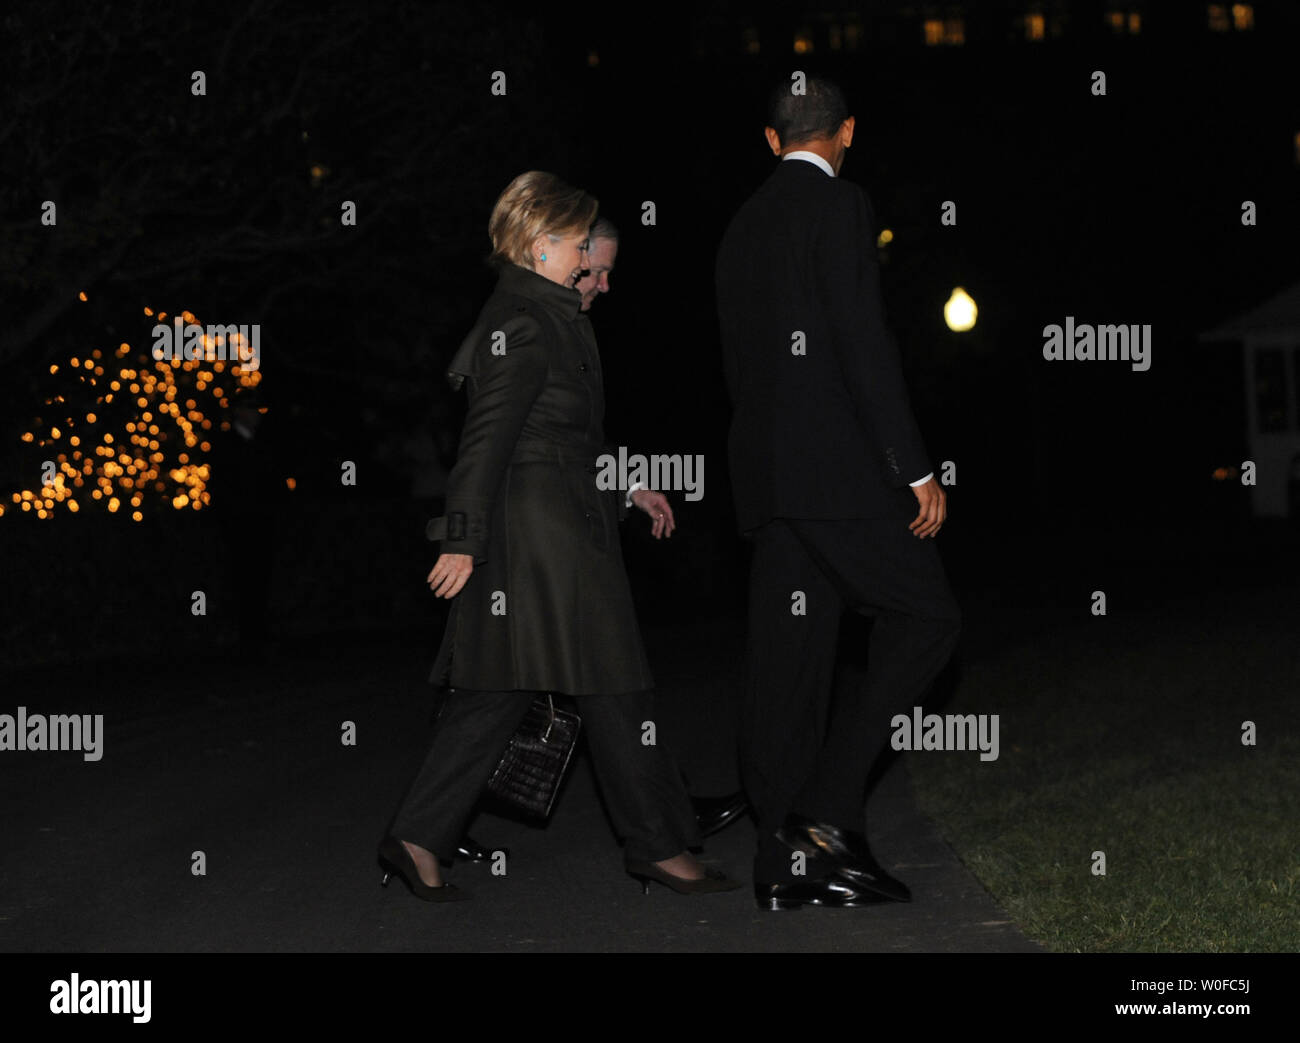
543,257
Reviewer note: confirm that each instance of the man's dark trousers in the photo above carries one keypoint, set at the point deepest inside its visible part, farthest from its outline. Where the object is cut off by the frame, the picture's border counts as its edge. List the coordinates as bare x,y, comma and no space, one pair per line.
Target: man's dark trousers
802,751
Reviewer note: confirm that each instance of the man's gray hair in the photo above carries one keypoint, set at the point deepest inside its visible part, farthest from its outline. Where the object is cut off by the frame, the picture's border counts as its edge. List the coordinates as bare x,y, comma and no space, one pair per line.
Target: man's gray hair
603,229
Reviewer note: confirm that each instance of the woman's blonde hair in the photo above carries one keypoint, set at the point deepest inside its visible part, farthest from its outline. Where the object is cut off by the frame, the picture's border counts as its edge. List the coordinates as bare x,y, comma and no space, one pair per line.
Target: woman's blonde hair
536,203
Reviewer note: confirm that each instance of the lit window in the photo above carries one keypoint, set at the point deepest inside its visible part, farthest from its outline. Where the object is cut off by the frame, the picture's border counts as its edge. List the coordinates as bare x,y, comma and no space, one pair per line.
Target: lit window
1125,22
803,42
1243,17
1218,17
950,31
1035,26
1122,22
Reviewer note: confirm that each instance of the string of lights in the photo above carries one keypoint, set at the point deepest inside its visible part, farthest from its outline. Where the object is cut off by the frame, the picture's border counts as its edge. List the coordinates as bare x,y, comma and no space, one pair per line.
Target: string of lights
134,430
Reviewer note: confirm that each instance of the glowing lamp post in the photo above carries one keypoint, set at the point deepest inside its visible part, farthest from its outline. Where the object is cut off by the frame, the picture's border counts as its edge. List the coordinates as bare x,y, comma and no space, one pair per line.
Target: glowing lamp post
960,311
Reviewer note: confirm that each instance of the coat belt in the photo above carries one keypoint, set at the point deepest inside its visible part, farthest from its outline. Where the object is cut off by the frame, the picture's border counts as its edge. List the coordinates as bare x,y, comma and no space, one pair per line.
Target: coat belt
526,452
539,452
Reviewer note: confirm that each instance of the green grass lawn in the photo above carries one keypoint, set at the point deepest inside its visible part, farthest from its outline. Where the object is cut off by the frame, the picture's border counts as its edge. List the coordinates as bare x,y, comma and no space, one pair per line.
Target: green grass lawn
1122,734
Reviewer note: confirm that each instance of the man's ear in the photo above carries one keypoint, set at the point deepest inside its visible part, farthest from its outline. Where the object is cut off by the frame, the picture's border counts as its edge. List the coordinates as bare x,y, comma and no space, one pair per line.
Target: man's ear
773,140
846,132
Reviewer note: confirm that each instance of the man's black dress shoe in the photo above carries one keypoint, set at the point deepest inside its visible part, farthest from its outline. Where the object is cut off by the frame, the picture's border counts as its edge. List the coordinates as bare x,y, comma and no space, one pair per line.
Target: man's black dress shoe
830,892
472,850
846,850
713,813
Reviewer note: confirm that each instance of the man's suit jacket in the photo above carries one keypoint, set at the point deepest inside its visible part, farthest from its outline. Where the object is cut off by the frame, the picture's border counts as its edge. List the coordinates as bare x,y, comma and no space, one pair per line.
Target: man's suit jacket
829,432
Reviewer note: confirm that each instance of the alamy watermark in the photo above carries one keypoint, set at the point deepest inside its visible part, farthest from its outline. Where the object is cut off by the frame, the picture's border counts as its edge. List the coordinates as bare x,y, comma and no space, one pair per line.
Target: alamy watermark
92,996
953,731
191,342
663,473
1084,343
56,732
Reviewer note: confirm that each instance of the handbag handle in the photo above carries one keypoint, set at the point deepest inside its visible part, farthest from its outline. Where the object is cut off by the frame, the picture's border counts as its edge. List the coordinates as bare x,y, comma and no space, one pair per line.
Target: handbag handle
546,735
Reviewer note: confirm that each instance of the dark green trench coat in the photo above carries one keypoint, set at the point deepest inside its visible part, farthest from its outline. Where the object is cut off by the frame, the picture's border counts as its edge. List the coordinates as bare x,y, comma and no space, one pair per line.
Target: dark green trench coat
547,607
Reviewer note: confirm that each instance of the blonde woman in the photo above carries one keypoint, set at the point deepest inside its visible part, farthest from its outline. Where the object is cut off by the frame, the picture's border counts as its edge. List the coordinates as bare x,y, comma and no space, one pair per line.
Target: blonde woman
529,553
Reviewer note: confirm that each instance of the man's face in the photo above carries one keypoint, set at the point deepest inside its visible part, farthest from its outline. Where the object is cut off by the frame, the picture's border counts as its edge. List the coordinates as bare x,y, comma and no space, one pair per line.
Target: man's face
600,262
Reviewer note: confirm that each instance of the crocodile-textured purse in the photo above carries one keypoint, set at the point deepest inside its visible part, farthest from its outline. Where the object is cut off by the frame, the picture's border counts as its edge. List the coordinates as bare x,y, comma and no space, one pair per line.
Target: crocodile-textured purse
532,767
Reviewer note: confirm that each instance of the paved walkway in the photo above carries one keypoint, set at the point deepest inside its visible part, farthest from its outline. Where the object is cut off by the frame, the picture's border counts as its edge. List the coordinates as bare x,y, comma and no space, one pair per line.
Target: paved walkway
247,767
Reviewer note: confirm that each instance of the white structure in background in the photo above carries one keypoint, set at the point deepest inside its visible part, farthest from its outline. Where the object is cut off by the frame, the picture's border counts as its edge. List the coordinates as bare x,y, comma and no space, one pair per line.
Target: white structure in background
1270,338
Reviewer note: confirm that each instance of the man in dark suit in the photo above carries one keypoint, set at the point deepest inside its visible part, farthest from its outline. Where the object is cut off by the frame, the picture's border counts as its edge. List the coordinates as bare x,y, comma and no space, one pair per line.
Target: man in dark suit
833,486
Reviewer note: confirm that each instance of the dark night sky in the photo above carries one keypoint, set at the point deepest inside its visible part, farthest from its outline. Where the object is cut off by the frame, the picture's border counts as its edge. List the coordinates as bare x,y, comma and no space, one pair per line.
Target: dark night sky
1117,209
1122,209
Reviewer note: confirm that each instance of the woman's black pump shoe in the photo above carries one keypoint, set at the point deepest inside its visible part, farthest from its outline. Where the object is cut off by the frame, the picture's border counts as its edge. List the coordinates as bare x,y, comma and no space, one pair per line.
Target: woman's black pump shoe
714,880
396,859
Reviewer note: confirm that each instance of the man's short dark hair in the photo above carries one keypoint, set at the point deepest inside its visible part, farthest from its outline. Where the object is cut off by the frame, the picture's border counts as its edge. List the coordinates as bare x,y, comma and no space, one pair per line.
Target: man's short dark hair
798,118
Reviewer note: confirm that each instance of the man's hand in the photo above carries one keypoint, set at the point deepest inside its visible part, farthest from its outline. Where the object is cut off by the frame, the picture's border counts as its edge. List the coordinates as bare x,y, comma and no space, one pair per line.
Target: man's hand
449,574
656,505
934,508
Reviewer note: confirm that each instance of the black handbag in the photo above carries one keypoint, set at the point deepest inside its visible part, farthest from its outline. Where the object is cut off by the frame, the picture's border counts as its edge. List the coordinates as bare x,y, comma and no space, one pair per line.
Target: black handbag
531,768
